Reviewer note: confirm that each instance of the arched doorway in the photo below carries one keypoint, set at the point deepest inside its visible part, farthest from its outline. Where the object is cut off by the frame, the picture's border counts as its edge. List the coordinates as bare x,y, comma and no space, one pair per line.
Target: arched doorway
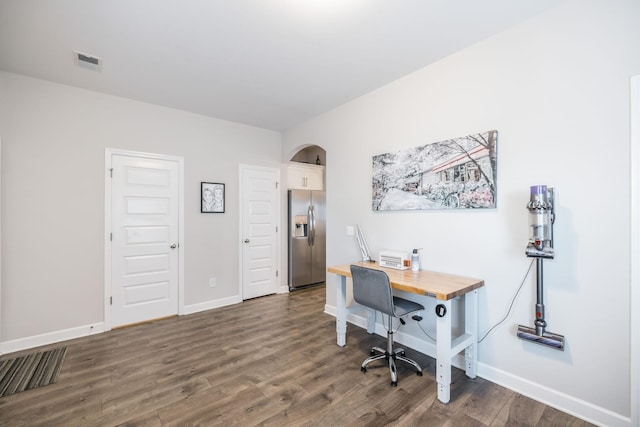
311,154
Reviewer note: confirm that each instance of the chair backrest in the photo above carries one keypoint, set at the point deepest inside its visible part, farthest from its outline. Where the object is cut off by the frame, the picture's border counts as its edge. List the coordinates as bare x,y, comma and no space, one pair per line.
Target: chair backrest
372,288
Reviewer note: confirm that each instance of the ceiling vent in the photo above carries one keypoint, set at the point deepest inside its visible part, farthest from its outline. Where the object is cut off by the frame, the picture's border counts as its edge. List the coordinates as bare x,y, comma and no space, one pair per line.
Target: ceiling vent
87,61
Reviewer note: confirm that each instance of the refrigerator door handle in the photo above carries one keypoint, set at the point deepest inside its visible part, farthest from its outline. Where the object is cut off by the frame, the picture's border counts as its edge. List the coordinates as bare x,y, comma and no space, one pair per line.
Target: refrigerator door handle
312,225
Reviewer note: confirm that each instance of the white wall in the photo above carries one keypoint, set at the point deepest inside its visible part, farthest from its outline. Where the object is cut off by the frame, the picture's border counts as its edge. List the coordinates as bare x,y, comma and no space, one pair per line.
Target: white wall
557,90
54,140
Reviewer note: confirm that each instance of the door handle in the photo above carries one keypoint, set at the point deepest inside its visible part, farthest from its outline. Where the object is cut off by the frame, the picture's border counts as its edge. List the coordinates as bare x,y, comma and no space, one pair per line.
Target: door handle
173,246
246,240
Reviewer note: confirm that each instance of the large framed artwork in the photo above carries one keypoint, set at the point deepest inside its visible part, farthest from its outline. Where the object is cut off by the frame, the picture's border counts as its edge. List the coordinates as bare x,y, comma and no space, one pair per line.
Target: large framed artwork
458,173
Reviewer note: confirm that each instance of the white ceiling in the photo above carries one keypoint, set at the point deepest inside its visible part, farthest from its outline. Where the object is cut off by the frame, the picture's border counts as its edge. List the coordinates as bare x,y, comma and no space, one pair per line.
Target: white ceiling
266,63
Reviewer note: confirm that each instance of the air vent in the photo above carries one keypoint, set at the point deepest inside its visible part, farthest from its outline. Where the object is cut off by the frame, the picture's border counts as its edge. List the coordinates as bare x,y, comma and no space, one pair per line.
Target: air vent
87,61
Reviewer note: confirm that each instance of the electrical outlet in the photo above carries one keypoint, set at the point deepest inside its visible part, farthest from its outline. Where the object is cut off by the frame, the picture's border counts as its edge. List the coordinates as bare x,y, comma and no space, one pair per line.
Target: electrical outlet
350,230
212,282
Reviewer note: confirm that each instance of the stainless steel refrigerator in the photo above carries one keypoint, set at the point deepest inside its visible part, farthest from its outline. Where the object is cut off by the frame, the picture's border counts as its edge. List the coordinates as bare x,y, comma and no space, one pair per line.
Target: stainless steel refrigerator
307,238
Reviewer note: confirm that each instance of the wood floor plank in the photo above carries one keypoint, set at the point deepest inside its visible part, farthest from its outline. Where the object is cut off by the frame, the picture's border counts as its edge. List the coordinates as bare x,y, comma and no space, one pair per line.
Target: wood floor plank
486,401
270,361
524,411
552,417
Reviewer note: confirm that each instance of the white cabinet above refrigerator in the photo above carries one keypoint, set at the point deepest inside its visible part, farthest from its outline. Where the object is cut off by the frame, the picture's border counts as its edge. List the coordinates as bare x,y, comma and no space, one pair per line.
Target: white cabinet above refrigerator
304,176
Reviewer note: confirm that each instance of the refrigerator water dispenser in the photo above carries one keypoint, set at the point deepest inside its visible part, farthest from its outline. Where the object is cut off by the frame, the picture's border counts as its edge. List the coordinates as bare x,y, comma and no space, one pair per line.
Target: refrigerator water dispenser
301,226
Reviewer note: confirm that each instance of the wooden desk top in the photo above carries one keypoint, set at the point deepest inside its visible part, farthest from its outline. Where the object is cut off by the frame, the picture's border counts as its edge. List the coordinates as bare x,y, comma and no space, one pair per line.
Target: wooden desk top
442,286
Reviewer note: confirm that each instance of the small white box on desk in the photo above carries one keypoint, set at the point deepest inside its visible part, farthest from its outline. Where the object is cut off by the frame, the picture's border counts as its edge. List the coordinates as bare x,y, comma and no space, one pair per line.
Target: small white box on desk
393,259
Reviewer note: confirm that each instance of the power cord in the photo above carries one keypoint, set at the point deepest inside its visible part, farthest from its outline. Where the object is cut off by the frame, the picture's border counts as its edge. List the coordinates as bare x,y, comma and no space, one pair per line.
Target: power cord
506,316
513,300
425,332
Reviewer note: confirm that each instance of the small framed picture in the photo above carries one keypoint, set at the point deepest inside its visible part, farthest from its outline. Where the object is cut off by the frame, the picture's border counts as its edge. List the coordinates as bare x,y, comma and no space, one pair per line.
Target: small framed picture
211,197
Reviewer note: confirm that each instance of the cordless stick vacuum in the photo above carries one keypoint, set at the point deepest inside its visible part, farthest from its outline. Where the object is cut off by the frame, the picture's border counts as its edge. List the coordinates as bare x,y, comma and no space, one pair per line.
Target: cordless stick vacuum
541,219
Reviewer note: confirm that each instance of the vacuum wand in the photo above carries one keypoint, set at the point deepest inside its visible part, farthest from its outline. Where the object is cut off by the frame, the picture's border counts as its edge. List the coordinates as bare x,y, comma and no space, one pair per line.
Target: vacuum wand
540,323
540,246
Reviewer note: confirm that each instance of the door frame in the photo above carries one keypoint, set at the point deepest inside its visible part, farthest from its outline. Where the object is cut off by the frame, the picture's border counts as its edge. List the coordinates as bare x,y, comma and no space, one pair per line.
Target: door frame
242,168
635,251
108,153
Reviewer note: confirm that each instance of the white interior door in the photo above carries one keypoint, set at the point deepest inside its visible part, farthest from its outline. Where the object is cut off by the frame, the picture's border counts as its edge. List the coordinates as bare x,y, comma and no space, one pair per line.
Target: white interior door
260,201
635,250
145,195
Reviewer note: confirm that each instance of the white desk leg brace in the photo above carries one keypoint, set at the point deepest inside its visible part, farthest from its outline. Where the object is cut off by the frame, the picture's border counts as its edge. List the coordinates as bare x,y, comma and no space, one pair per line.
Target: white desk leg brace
341,310
471,328
443,353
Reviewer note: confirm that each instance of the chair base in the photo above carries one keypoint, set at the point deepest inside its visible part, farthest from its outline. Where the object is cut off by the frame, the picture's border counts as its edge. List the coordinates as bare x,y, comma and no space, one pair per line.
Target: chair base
378,353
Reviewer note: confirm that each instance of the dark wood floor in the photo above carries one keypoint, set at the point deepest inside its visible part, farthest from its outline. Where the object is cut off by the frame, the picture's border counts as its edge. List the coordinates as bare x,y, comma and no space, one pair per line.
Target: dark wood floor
270,361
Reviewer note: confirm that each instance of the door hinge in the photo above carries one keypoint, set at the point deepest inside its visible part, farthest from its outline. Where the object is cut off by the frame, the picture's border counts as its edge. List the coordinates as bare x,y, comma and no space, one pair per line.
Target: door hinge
276,228
111,237
110,300
111,172
277,273
276,184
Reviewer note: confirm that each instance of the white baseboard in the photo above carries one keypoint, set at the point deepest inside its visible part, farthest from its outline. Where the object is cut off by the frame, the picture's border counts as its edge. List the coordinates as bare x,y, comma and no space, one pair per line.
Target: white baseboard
50,338
208,305
563,402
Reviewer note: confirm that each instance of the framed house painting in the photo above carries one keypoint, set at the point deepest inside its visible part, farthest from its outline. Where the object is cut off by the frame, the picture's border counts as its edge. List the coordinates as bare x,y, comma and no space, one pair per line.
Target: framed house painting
458,173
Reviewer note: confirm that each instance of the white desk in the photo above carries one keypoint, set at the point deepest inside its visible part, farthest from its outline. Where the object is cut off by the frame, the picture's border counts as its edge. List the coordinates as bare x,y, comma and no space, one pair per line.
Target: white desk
444,287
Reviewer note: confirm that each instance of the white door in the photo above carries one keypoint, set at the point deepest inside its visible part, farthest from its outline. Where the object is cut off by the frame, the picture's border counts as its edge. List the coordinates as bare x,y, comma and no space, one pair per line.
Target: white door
635,250
144,238
259,200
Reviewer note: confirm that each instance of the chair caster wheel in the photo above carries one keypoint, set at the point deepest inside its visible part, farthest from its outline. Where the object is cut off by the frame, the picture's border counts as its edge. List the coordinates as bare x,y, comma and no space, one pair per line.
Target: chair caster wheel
394,383
372,353
363,369
419,373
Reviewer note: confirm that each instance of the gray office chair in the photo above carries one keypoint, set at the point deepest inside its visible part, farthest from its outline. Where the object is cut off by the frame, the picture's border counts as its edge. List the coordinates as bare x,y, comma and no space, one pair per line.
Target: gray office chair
372,289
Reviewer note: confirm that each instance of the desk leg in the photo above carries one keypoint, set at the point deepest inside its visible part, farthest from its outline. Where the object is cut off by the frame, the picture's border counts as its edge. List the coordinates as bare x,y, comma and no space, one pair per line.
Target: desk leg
443,353
341,310
471,328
